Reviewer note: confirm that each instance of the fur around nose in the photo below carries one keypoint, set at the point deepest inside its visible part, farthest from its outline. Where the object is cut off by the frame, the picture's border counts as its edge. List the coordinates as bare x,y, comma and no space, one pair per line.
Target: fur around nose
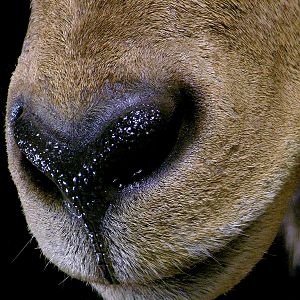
200,215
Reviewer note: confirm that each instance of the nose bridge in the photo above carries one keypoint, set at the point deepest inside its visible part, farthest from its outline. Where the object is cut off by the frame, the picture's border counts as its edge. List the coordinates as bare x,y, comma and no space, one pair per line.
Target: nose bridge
82,50
92,24
83,30
72,88
95,41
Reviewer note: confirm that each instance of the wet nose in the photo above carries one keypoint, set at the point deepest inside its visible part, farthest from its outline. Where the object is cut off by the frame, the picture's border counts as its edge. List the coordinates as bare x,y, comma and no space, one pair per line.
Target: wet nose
128,148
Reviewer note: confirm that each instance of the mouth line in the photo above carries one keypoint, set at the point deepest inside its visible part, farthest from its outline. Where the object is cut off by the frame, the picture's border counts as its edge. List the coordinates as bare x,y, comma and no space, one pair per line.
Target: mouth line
212,264
215,263
188,276
94,229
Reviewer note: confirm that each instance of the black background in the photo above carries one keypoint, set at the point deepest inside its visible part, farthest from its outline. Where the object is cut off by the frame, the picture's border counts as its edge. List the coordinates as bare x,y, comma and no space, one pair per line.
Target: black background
28,274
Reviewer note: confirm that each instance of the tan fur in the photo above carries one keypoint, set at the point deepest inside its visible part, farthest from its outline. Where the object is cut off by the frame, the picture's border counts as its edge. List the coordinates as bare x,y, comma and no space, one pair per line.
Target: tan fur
224,199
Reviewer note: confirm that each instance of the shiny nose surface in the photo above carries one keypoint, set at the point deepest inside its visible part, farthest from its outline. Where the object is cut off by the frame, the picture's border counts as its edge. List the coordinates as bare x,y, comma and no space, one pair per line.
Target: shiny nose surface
128,149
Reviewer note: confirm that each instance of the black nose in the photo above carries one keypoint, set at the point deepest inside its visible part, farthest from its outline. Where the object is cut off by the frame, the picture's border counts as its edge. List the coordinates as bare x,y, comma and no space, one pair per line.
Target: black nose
128,149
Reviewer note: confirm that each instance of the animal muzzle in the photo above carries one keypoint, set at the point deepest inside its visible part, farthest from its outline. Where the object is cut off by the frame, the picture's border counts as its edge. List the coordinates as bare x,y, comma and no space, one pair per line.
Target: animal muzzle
90,173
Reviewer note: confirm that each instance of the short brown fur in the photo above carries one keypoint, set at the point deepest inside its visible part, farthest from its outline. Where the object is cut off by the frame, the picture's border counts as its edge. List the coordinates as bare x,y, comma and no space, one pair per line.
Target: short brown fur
229,190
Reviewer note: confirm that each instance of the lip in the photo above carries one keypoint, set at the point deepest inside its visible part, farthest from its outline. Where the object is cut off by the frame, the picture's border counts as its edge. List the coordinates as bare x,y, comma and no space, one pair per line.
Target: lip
208,267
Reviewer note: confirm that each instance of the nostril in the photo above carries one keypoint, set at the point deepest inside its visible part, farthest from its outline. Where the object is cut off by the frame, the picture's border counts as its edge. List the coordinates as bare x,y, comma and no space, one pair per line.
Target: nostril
138,143
38,177
36,148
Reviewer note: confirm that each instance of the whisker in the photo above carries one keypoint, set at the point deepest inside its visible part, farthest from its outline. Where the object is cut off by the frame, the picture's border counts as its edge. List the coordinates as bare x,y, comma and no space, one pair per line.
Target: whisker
22,250
63,281
47,264
210,255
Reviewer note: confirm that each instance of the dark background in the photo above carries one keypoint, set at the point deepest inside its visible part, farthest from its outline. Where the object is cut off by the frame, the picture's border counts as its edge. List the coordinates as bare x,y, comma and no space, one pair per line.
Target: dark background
26,272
